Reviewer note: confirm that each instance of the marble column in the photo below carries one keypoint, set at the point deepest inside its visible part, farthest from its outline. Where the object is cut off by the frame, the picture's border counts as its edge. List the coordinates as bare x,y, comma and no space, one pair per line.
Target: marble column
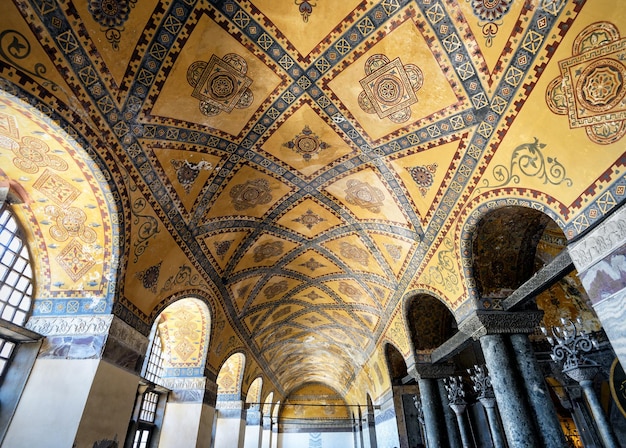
600,258
489,404
370,429
83,384
452,429
431,406
516,418
539,399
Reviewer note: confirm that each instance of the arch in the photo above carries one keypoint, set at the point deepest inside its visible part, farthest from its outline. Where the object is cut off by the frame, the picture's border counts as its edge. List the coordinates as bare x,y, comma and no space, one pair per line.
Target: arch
184,329
430,321
396,364
73,197
473,217
253,397
267,403
230,377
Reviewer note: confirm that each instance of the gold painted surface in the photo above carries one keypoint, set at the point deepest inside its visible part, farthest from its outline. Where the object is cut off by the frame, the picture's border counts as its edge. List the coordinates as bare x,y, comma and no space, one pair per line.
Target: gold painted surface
327,324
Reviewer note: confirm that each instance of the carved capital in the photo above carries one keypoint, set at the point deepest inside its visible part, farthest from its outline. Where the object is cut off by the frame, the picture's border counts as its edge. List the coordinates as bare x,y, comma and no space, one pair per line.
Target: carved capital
481,323
600,242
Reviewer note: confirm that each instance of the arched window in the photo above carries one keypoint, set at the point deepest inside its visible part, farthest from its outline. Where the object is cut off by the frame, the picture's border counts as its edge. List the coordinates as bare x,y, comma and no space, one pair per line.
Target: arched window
16,286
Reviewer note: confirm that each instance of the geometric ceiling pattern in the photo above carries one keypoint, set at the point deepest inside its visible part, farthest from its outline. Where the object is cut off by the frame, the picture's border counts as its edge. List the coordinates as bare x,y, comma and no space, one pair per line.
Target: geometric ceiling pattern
305,170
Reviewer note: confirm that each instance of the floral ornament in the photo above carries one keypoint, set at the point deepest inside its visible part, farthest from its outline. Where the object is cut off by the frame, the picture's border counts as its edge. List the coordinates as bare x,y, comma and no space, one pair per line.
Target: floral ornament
187,173
488,13
591,88
390,88
306,143
305,8
111,15
150,277
352,252
250,194
268,250
424,176
364,195
309,219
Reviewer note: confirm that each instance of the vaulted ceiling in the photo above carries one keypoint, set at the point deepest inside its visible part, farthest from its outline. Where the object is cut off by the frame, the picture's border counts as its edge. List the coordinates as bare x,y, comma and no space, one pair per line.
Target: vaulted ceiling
305,165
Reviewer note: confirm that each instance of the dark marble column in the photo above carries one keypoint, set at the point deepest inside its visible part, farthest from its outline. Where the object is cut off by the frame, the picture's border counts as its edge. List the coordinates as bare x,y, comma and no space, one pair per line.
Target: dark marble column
518,425
431,406
452,429
539,399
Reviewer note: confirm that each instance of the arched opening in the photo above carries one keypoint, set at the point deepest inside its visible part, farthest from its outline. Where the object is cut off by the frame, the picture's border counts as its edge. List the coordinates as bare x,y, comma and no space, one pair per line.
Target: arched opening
230,424
400,411
175,360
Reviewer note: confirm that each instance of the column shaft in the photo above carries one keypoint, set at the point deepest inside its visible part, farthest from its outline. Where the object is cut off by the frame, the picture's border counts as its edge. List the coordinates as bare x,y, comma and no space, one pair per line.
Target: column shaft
454,440
606,434
537,393
432,421
518,425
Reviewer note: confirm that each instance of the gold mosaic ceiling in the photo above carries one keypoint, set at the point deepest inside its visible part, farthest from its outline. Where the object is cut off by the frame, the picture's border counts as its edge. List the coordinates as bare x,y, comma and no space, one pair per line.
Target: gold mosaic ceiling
305,165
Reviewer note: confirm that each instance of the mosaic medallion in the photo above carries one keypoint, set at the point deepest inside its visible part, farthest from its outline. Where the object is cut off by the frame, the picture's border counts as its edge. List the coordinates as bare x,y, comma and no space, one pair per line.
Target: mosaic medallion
111,15
306,143
352,252
489,13
69,222
364,195
187,173
275,289
592,85
349,290
424,176
394,251
221,247
312,295
220,84
74,260
267,250
390,88
31,153
312,265
150,277
309,219
250,194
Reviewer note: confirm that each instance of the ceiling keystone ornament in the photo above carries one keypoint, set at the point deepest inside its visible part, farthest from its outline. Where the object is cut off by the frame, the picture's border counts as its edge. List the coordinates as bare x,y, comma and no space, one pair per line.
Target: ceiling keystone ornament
592,85
390,88
275,289
111,15
312,264
489,12
309,219
306,143
349,290
221,247
364,195
220,84
250,194
423,175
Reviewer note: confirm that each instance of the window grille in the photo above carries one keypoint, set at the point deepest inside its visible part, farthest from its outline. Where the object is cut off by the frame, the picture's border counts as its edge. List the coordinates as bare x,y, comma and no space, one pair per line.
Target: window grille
154,368
16,286
148,407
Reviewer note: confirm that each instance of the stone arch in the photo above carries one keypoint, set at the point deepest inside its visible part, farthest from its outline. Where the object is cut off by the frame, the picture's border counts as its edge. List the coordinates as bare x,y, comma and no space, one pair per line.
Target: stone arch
396,364
230,377
267,403
430,322
73,199
484,211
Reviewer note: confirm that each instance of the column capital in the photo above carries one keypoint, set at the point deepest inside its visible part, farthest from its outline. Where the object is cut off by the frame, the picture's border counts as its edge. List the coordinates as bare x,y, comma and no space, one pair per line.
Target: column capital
481,323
